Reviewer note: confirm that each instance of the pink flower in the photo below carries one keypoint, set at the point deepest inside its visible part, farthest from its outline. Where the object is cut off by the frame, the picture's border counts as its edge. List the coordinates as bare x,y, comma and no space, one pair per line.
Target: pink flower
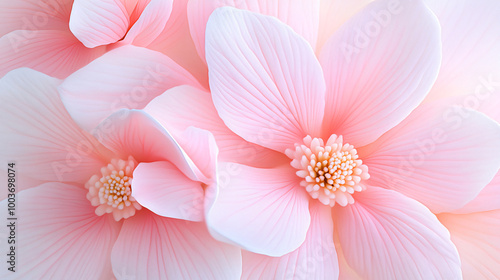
57,37
133,169
368,168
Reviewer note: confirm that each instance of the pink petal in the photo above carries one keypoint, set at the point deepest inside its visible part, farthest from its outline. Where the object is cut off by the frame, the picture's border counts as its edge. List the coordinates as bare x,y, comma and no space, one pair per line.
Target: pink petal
201,148
134,133
378,67
270,92
153,247
99,22
314,259
181,107
476,238
21,183
442,156
470,38
385,235
346,272
175,41
34,15
485,101
486,200
53,52
262,210
163,189
334,13
128,77
58,235
150,24
301,15
40,136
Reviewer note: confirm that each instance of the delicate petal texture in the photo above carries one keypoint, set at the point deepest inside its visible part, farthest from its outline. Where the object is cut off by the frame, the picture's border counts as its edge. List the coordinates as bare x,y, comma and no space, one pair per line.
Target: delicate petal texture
486,200
487,104
166,191
127,77
262,210
334,13
477,241
266,82
201,148
301,15
471,40
175,41
54,52
346,272
59,236
153,247
39,135
34,15
150,24
134,133
385,235
21,182
378,67
441,156
99,22
185,106
314,259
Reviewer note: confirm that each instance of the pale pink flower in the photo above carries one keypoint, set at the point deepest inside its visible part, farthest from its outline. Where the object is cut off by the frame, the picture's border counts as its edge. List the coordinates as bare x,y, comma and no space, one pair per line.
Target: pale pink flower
354,116
57,37
154,229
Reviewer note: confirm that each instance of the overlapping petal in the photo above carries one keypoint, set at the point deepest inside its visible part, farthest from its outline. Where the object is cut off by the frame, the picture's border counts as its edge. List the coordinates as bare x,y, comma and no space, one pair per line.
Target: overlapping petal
334,13
135,133
378,67
440,155
316,258
128,77
59,236
38,133
302,16
150,23
266,83
476,238
386,235
154,247
34,15
471,40
166,191
182,107
99,22
54,52
261,210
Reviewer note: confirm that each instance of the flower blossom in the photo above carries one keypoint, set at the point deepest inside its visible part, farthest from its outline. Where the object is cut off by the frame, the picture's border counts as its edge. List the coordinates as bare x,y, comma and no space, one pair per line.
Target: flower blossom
127,201
58,37
367,167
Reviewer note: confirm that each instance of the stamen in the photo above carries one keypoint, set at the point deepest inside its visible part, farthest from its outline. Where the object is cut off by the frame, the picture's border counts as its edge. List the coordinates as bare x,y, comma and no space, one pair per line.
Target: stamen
331,172
111,190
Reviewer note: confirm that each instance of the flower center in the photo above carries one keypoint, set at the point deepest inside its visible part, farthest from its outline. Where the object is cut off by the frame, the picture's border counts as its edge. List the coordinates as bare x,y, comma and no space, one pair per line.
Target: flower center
331,172
111,190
